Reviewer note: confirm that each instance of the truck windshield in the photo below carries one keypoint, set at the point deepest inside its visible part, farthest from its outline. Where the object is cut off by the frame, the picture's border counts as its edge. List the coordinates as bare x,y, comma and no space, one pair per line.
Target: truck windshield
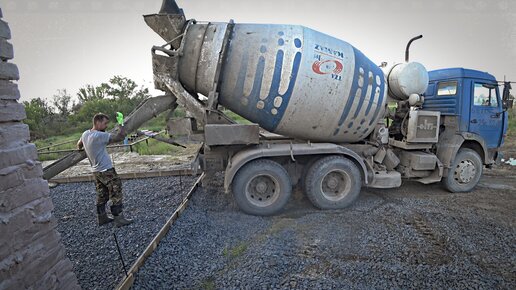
485,96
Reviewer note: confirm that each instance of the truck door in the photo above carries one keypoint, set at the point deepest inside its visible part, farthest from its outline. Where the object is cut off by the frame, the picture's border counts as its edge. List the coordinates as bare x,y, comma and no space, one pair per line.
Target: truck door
486,117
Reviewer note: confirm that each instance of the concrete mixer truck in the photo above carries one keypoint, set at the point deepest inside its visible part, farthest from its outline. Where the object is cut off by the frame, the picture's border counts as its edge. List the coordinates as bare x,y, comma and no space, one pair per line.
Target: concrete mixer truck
319,111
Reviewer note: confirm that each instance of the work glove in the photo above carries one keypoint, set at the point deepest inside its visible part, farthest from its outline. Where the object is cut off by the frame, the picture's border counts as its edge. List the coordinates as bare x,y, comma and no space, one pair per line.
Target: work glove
120,118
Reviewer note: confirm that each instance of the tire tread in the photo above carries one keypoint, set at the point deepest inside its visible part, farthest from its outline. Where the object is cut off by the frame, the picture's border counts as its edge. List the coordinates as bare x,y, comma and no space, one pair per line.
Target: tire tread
238,187
312,177
449,182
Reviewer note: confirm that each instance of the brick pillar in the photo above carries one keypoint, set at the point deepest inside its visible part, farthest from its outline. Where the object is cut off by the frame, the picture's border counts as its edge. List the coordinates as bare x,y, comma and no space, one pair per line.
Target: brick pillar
31,253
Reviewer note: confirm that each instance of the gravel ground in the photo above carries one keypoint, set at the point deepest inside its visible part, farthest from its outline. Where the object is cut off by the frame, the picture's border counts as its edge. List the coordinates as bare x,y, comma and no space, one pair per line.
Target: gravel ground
416,236
92,248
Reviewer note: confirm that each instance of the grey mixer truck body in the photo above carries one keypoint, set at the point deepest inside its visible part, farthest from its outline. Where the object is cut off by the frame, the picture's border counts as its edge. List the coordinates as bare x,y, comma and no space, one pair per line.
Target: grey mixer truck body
319,112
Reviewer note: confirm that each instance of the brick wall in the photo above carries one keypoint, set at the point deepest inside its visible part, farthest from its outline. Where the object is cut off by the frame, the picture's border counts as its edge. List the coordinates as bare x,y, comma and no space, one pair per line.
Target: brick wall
31,253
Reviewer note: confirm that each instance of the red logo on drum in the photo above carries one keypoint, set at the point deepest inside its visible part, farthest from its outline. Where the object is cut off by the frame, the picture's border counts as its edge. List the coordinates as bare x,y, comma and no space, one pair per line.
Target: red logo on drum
328,61
329,66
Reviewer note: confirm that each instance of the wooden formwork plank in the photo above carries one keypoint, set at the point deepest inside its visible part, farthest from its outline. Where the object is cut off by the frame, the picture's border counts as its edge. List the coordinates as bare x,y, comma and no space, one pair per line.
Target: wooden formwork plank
128,281
128,175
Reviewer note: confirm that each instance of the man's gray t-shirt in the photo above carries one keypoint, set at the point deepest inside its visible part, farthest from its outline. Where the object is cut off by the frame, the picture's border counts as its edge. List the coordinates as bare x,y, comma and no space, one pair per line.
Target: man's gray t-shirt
95,143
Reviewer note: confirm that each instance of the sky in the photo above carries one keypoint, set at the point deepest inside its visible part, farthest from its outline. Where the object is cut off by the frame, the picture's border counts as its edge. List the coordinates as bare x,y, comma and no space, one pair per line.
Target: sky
66,44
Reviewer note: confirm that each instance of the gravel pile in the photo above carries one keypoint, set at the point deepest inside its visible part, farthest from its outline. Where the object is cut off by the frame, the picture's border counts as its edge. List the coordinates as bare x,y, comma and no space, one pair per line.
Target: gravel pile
91,248
413,237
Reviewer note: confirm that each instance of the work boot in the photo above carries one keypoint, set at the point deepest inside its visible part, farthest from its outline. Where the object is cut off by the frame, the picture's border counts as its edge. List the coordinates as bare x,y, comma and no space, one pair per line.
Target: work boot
102,217
121,221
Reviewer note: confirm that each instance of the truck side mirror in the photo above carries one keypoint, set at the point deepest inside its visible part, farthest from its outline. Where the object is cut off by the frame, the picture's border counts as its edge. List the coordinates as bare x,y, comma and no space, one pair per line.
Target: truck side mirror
506,101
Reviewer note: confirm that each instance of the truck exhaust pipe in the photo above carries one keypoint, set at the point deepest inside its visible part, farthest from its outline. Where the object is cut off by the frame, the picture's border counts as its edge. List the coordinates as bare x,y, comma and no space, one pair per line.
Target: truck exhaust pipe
408,46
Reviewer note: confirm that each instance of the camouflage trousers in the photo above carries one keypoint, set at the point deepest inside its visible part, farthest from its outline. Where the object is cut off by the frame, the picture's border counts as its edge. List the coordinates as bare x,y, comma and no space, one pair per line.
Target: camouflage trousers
109,187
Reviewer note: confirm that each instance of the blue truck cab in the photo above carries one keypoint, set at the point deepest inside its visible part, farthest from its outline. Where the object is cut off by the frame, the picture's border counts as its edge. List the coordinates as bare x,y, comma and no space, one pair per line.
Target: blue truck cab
473,113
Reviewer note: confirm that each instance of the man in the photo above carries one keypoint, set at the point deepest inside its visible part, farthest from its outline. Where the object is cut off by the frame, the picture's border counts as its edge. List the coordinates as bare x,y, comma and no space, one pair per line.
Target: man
107,182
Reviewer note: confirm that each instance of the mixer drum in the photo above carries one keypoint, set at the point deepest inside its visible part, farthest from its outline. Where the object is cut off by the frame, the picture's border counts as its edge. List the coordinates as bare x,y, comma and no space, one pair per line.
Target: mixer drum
291,80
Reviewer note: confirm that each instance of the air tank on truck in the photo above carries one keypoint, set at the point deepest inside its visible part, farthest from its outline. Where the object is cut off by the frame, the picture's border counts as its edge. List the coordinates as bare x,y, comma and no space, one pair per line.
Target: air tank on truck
318,112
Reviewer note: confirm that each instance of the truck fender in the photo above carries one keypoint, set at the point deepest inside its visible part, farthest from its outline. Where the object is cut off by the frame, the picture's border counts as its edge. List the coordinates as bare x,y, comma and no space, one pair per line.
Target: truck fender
448,147
242,157
477,143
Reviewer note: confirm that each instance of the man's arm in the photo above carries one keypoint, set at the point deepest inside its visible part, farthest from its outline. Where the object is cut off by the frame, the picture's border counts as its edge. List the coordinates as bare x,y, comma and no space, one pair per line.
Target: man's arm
80,145
117,136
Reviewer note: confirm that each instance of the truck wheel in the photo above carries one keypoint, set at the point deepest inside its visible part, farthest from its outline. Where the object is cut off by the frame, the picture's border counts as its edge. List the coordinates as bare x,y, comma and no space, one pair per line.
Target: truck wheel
464,172
333,182
262,187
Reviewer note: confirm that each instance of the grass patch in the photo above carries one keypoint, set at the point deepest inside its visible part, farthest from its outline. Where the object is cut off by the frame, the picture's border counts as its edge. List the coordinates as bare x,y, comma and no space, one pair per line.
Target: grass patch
512,122
149,147
160,122
69,140
155,147
208,284
235,251
237,118
59,139
280,225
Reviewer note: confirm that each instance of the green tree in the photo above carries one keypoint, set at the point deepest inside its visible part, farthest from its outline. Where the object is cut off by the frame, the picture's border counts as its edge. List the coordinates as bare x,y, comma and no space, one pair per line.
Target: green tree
39,116
62,101
62,115
89,92
82,118
124,88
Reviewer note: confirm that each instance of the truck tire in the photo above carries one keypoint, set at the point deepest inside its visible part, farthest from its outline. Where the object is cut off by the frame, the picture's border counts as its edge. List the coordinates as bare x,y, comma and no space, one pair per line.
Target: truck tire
262,187
465,171
333,182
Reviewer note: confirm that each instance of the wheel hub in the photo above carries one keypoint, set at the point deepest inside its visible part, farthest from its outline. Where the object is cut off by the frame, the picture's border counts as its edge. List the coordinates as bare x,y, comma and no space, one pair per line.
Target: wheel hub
333,182
336,185
261,187
465,171
262,190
